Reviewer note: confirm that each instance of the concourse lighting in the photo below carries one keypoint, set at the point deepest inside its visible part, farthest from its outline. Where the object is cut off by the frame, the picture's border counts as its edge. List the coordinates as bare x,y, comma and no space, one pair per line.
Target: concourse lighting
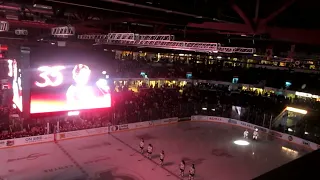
241,142
296,110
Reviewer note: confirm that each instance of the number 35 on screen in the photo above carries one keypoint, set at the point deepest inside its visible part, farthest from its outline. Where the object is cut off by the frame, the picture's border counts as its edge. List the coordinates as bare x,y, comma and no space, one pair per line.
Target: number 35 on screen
51,76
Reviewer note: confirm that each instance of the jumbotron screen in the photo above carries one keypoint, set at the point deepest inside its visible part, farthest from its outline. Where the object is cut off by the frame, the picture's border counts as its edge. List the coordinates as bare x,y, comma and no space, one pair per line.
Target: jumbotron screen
58,88
16,83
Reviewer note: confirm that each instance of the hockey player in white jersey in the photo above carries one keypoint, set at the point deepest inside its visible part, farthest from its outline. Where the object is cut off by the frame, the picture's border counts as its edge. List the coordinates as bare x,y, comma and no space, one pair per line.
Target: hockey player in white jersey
246,134
141,145
161,157
182,166
255,134
150,149
192,172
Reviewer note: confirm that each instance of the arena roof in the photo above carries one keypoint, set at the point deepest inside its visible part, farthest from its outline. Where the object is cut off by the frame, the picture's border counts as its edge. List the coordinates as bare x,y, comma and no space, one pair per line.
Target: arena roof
241,23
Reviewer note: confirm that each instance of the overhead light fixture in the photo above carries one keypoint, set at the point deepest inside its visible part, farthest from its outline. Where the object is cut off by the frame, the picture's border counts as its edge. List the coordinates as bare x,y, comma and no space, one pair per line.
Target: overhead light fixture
4,26
21,32
63,31
42,6
12,17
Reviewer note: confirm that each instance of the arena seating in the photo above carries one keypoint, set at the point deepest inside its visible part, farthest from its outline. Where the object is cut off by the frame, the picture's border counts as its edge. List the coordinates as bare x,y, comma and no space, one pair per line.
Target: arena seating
259,76
152,103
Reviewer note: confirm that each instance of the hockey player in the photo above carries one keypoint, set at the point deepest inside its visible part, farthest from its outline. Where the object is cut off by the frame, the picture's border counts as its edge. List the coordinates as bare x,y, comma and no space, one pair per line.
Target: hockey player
246,134
182,166
255,134
192,172
150,148
141,145
161,157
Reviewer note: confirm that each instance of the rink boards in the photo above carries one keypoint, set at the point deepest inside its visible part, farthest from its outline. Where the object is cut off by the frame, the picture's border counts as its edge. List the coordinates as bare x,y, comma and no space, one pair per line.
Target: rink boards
148,124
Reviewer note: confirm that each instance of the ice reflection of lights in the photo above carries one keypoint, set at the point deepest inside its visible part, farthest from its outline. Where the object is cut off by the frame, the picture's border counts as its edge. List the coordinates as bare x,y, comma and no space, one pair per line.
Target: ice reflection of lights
290,152
241,142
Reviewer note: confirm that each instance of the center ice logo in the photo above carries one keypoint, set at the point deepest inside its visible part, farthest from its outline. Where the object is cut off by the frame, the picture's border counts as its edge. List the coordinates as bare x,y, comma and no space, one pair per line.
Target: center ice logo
221,153
118,174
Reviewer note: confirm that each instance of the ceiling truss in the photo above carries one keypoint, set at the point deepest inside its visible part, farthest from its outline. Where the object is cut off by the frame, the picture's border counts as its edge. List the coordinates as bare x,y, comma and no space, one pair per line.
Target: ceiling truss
251,26
166,42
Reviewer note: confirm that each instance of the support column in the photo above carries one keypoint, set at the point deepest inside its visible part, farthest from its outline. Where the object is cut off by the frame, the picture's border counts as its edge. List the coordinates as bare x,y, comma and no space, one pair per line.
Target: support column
26,80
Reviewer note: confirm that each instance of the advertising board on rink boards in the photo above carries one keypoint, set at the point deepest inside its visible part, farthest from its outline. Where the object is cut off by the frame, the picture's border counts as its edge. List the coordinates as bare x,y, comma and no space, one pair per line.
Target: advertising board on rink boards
163,121
104,130
138,125
35,139
26,141
246,125
81,133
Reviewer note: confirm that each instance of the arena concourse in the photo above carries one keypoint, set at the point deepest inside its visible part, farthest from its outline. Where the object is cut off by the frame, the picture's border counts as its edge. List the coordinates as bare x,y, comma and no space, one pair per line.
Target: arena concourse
150,90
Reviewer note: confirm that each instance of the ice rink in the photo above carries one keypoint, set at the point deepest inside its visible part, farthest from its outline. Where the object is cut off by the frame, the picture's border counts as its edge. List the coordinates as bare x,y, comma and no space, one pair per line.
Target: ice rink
114,157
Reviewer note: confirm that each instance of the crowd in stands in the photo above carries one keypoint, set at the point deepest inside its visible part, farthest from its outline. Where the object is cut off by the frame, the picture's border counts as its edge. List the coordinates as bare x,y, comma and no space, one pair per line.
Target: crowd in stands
157,102
276,78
